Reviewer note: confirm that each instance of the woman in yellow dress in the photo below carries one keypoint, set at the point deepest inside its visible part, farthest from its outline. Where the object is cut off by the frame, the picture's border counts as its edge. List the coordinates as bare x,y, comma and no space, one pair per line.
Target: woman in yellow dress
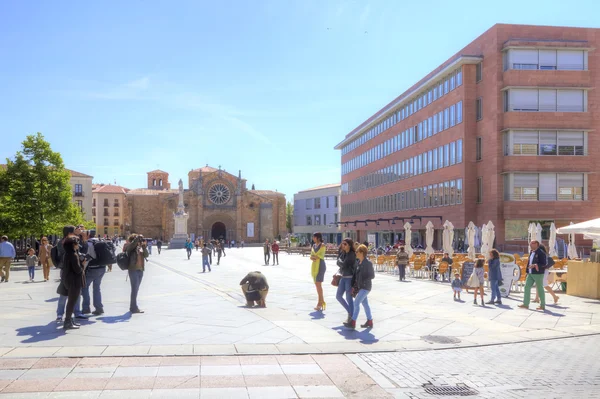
317,255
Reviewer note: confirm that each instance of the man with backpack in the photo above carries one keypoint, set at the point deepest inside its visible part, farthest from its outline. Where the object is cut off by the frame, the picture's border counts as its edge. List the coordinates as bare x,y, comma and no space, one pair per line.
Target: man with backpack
102,253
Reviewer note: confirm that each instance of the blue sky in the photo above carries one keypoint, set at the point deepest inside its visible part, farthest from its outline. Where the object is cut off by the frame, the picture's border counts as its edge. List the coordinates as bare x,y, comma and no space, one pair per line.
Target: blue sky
265,86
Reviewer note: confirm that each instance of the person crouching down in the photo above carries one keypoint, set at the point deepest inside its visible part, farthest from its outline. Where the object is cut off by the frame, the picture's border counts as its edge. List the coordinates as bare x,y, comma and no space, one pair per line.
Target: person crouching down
255,289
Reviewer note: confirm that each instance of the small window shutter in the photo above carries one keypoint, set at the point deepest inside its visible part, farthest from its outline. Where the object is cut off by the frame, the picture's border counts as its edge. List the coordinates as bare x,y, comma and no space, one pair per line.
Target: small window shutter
570,138
548,186
524,56
525,180
547,137
525,137
547,58
570,180
570,59
570,100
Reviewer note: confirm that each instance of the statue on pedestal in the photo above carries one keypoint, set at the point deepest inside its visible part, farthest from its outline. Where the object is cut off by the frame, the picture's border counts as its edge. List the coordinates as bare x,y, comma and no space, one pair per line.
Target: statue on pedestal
180,235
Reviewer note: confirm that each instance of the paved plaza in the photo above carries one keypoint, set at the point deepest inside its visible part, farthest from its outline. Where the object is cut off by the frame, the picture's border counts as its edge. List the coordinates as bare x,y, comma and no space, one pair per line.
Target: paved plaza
194,322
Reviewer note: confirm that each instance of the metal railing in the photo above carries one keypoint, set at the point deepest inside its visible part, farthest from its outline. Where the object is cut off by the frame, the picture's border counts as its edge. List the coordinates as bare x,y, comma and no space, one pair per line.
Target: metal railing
545,197
78,194
542,67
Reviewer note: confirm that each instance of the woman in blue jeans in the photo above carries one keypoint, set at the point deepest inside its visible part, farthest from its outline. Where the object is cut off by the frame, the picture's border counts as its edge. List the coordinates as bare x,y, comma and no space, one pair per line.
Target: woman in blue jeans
363,275
495,276
347,263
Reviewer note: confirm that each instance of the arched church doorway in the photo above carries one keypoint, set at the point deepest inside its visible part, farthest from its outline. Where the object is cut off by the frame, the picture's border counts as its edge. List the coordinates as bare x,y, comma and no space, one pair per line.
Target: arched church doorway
219,231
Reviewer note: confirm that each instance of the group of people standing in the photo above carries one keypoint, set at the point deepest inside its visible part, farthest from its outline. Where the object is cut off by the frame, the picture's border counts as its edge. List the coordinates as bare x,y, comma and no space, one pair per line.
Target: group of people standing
269,249
210,248
353,278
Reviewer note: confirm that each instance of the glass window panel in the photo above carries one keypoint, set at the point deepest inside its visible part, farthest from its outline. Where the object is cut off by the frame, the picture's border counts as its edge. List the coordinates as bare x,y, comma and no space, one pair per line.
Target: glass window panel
459,191
440,157
452,115
459,151
452,192
452,153
459,112
446,155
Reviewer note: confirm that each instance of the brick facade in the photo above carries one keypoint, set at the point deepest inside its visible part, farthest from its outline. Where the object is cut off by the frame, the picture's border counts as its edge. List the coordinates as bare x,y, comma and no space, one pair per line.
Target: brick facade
150,211
494,164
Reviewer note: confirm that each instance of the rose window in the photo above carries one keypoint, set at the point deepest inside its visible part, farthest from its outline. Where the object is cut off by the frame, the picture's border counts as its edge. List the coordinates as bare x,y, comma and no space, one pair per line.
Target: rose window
219,194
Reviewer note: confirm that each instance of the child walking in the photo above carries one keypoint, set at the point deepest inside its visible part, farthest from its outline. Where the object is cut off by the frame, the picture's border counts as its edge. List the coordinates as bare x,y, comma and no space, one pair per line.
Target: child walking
456,286
31,261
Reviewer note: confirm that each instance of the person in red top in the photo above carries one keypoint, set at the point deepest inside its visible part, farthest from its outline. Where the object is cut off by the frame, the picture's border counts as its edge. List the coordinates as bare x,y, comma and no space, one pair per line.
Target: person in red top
275,250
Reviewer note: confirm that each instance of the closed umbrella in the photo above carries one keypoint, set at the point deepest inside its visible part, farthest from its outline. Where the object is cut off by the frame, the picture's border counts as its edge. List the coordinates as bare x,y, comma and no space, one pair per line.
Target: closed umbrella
408,239
571,249
448,237
538,233
491,235
485,246
552,241
471,239
429,238
530,235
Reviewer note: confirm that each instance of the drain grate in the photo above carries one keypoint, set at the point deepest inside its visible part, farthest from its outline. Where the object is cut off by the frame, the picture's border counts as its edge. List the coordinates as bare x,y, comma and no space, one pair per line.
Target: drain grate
447,390
440,339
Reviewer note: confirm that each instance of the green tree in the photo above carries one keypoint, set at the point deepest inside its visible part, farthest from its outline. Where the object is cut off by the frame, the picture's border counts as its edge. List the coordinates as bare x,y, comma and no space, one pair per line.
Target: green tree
35,193
289,216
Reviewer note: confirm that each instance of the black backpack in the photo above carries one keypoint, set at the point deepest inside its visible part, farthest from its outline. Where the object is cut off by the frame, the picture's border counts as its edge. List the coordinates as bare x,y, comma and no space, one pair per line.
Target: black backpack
54,256
123,261
105,253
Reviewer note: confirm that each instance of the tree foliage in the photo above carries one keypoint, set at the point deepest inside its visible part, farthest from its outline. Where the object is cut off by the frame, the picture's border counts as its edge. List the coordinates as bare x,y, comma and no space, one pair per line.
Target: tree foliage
289,216
35,193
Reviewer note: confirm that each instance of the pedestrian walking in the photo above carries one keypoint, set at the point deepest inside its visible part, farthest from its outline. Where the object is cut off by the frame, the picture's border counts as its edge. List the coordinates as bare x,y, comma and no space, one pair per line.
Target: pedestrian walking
476,280
45,249
242,244
150,242
275,250
219,252
347,264
362,285
495,277
159,245
318,267
402,259
7,254
31,261
267,251
549,264
222,244
137,252
456,286
536,264
188,248
196,244
205,254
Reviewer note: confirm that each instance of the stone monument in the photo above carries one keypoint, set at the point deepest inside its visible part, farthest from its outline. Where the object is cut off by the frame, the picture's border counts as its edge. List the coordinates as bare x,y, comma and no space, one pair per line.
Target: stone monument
180,235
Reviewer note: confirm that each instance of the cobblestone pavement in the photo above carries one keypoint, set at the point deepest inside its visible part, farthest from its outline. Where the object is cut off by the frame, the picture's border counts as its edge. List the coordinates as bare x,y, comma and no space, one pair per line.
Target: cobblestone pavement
559,368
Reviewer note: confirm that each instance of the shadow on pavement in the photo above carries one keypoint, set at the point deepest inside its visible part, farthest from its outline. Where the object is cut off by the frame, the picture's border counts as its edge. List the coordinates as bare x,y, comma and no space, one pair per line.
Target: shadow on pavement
55,299
364,336
124,318
40,333
316,315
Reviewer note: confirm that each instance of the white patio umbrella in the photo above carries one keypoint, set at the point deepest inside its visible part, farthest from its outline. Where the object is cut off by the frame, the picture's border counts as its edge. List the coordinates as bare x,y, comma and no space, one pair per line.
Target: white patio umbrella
491,235
429,238
587,227
448,237
571,249
552,241
408,239
485,246
538,233
471,240
530,235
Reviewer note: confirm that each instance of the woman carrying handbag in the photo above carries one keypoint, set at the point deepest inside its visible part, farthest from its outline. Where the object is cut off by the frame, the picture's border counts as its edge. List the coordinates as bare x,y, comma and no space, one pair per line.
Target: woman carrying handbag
361,283
347,263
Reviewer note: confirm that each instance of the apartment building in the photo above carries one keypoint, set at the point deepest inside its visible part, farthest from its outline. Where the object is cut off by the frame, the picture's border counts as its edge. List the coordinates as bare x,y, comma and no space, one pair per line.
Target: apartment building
504,130
317,209
108,209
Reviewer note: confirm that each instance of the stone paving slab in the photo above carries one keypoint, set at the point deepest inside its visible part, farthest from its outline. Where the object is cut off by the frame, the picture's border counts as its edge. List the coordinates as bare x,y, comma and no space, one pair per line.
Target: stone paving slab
218,377
194,313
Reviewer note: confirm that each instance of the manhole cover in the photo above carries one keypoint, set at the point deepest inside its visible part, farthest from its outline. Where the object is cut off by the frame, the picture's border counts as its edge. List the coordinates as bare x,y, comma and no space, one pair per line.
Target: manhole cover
458,390
440,339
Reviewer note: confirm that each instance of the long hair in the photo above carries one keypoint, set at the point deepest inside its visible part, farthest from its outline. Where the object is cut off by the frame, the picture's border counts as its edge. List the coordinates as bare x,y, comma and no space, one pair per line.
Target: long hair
350,244
495,254
319,237
480,262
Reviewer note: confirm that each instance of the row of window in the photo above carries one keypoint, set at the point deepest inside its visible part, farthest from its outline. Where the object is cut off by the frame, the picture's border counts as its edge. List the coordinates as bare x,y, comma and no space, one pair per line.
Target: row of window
106,213
315,203
546,59
439,89
545,187
115,223
317,220
428,161
433,195
115,203
439,122
545,100
544,143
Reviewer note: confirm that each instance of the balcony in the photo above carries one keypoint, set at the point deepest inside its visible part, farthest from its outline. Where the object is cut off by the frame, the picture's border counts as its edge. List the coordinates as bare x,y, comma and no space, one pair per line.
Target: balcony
78,194
116,204
106,213
116,214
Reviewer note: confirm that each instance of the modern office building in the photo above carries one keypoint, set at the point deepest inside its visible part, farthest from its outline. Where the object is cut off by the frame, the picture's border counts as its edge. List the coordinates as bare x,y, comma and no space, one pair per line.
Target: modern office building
505,130
318,210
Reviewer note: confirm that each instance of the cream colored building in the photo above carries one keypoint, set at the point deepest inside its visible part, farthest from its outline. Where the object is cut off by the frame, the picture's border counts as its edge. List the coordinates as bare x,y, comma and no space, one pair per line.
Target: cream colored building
108,208
81,184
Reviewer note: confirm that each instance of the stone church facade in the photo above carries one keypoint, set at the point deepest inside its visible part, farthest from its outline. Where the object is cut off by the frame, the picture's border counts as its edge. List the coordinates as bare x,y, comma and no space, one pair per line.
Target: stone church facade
218,203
